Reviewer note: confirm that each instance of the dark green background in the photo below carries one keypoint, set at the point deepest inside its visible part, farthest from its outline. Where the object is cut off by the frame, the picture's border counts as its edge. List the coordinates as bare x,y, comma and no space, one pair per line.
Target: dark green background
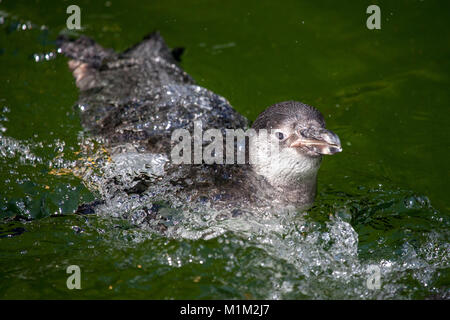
384,92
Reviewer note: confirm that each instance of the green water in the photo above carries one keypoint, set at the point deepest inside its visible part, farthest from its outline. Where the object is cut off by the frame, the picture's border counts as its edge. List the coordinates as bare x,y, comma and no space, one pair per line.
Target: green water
384,92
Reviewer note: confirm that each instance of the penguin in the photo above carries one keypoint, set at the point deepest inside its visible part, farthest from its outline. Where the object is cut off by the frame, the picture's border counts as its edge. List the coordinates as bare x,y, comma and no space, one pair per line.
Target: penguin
134,101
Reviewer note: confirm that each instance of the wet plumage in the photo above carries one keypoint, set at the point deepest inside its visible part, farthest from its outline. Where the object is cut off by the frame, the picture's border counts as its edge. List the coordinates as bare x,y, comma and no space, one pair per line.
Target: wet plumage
133,101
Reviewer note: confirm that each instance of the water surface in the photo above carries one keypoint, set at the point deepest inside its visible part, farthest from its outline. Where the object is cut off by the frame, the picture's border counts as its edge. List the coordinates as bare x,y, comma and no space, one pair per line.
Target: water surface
383,201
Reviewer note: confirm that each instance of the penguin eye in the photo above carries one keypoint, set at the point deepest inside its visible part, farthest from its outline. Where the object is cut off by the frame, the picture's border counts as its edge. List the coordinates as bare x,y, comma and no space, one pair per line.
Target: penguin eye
279,135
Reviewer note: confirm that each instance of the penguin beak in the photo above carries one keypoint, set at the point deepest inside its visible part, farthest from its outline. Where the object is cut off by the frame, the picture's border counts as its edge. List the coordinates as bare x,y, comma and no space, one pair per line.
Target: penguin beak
318,140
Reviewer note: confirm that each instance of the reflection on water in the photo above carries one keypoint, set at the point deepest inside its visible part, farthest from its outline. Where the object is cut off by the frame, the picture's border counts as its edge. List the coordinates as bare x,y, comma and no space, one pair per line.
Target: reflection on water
325,253
381,203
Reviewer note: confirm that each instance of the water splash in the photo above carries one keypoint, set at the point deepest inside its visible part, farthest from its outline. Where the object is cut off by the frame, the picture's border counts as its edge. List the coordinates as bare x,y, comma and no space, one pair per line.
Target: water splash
324,253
